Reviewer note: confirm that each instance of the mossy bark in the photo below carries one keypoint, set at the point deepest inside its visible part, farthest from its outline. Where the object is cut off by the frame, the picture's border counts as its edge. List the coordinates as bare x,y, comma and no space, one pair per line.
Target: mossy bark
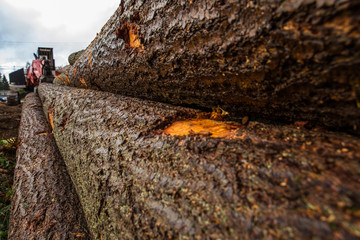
135,182
45,204
271,59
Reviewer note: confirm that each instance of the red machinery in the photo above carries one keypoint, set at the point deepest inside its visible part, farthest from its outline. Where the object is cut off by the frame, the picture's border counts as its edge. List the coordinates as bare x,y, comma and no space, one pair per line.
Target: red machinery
42,69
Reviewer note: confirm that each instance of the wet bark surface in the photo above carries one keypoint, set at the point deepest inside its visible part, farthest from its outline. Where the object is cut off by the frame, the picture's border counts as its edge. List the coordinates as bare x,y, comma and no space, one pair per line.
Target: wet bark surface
136,182
45,204
279,60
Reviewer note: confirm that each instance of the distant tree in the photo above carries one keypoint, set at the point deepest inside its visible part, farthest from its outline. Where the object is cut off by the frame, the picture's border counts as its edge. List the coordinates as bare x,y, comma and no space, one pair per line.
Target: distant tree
1,84
5,83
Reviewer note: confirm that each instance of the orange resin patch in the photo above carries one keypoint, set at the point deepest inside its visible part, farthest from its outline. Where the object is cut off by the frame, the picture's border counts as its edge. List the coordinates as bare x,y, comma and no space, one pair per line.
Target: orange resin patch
130,34
51,117
90,59
65,80
212,128
83,83
134,39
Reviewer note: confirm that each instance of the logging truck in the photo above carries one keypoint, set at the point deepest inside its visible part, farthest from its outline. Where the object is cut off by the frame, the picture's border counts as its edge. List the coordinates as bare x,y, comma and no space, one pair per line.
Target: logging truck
42,69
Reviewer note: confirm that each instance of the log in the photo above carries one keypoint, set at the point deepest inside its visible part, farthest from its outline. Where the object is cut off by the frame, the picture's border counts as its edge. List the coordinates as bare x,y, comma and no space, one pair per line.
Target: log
45,204
74,56
271,59
137,178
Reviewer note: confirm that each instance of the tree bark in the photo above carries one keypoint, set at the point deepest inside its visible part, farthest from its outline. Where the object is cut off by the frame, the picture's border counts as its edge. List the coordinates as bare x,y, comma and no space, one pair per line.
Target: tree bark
271,59
265,182
45,204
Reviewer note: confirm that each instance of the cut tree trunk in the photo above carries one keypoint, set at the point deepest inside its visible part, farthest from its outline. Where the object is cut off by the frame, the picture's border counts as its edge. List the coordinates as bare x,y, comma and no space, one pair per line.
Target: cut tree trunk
271,59
45,204
260,182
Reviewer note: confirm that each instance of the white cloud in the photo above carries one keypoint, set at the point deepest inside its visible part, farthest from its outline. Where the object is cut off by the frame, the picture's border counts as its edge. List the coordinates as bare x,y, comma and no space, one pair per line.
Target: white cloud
65,25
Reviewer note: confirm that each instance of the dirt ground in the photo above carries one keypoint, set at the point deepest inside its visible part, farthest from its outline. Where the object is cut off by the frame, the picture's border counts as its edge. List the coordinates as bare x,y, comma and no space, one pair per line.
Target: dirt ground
9,124
9,120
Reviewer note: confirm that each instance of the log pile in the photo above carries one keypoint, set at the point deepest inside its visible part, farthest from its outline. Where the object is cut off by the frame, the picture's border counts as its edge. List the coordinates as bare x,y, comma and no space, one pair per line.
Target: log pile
270,59
144,169
45,204
259,181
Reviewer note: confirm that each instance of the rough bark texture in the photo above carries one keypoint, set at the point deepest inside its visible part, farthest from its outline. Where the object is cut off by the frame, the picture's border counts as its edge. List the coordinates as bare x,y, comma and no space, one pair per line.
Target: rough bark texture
45,204
135,182
274,59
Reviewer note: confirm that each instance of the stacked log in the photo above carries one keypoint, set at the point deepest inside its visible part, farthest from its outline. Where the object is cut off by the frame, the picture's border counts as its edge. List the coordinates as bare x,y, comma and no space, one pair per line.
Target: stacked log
137,179
45,204
270,59
74,56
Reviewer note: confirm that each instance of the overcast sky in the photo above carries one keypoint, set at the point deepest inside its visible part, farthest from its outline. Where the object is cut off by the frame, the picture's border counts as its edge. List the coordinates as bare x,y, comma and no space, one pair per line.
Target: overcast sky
65,25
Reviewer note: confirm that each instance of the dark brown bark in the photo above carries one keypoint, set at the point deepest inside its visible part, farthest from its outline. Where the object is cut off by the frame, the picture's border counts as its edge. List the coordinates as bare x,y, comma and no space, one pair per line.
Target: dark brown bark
135,182
271,59
45,204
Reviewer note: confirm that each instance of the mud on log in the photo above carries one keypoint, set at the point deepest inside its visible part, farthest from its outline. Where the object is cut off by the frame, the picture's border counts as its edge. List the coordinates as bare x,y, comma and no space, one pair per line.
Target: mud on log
136,182
287,60
45,204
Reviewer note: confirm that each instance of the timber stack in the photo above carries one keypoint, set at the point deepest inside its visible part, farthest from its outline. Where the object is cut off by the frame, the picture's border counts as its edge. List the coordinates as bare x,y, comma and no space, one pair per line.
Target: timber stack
144,165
